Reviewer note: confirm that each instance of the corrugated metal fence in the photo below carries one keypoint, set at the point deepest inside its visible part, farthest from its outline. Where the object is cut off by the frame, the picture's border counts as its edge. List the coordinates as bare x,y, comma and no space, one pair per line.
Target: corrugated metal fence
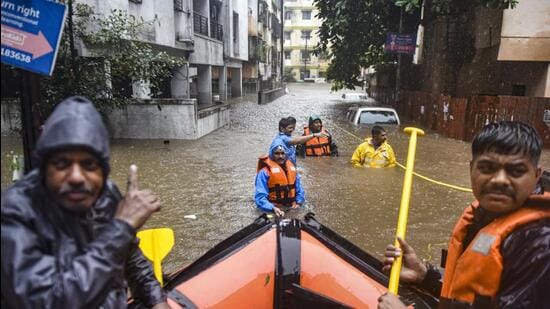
461,118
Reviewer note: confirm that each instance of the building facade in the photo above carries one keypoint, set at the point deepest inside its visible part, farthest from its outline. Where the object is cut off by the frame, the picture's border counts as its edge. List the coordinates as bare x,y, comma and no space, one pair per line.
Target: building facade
263,70
488,52
210,34
300,37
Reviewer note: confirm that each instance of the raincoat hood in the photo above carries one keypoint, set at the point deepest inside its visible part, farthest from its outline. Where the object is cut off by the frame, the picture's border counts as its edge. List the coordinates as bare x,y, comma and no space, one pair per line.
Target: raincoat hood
276,144
312,118
75,123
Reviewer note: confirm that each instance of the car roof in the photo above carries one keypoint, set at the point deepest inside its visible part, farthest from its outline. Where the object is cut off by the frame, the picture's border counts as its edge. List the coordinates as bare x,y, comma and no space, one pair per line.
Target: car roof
377,108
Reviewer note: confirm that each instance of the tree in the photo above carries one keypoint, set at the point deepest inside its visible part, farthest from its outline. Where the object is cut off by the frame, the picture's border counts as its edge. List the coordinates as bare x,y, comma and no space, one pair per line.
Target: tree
352,34
118,59
353,31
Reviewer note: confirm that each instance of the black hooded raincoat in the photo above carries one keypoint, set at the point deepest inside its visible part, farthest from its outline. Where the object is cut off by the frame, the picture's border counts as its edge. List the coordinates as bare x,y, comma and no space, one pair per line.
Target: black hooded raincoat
52,258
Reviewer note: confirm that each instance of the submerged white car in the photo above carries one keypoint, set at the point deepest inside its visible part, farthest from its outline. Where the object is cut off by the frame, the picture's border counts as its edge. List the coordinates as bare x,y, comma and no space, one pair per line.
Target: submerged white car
353,97
373,115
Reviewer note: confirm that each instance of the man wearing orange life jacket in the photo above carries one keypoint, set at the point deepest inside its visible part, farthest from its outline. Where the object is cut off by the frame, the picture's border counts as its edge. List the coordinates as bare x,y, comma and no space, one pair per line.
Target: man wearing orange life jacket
278,186
319,146
500,247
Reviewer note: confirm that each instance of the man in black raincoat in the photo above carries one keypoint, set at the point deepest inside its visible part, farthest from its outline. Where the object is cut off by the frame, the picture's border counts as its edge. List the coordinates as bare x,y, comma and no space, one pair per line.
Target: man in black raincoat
68,236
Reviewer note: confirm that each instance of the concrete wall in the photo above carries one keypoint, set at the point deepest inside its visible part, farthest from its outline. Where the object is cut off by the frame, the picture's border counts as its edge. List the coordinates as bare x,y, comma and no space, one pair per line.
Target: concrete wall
149,119
270,95
525,32
239,50
207,51
211,119
166,119
11,117
153,119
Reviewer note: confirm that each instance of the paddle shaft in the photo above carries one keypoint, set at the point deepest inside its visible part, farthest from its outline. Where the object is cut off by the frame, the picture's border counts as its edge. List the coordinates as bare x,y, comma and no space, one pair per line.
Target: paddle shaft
404,207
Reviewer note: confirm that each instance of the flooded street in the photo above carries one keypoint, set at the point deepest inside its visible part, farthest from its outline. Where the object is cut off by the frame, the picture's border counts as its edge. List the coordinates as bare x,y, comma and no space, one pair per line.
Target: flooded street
213,178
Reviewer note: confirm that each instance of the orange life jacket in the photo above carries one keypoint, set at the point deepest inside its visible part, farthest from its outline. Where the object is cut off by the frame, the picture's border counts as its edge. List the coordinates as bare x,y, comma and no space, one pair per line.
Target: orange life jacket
281,183
476,271
317,146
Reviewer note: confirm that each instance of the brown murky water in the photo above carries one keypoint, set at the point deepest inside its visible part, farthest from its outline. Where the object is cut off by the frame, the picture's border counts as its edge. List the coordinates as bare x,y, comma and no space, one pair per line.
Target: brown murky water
213,178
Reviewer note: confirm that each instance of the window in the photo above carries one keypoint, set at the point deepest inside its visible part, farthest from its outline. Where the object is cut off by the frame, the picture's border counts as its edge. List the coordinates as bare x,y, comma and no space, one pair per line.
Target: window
286,35
518,90
235,28
306,34
378,117
306,15
288,15
287,55
305,54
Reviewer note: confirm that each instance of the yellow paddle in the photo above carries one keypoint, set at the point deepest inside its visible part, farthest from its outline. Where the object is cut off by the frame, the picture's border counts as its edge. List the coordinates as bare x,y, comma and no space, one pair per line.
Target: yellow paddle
404,208
156,244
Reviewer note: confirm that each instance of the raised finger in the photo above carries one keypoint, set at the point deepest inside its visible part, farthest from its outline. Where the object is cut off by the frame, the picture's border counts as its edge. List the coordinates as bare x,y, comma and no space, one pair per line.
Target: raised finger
132,179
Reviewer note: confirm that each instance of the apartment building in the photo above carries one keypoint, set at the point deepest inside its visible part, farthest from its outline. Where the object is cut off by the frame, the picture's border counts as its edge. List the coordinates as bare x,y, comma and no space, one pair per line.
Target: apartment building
300,37
210,34
263,70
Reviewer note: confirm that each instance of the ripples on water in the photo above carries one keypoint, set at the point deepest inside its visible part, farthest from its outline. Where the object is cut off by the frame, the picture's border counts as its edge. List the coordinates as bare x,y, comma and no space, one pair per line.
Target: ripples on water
213,178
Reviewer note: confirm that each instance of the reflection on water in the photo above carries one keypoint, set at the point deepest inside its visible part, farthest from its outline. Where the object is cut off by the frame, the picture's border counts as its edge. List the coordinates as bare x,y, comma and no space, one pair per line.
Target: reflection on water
213,178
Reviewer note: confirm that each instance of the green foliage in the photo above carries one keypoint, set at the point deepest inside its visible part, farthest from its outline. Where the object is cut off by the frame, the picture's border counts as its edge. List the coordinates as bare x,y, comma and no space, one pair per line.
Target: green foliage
118,60
353,31
288,76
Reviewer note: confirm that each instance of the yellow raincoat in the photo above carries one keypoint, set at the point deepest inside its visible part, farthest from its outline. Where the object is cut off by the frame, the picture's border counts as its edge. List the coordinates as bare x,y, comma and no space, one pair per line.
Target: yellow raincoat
366,156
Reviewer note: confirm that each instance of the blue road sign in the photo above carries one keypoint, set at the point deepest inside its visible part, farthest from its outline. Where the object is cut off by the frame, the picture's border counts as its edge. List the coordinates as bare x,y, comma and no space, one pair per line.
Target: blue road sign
31,31
400,43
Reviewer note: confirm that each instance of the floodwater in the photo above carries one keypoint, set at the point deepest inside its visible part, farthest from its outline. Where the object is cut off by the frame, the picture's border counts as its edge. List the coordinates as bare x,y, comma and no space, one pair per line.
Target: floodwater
213,179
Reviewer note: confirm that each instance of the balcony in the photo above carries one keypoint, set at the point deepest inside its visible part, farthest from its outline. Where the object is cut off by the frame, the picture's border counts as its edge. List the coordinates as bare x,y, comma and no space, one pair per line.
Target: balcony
216,31
200,24
275,26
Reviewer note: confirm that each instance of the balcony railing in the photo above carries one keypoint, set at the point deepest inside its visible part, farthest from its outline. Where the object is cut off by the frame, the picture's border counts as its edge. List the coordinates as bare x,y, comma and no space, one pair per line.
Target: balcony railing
216,31
275,26
200,24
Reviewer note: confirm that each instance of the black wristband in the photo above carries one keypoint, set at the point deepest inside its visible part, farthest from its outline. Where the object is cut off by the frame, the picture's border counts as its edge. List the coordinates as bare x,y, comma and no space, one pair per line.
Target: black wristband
432,280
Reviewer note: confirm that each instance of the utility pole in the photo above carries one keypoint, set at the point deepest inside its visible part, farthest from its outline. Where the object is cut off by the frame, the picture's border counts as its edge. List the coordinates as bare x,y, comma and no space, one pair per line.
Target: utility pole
29,96
398,73
282,6
306,56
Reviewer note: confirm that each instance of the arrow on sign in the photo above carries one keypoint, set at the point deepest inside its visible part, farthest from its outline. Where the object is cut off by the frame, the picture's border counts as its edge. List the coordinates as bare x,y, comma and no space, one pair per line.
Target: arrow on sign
35,44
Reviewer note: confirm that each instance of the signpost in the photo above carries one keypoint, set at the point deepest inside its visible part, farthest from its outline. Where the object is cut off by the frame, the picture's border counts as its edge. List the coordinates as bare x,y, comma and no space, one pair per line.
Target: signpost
400,43
31,32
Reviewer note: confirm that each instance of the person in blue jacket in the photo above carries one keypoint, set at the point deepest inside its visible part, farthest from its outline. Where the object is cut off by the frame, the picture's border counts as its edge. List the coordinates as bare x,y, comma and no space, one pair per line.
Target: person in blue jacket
286,127
278,186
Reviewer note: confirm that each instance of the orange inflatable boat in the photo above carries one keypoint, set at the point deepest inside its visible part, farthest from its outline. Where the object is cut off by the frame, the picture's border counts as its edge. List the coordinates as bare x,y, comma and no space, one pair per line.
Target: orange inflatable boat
288,263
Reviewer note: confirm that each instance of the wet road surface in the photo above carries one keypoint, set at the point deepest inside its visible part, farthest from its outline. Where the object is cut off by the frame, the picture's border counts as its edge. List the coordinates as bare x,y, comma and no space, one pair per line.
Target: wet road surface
213,178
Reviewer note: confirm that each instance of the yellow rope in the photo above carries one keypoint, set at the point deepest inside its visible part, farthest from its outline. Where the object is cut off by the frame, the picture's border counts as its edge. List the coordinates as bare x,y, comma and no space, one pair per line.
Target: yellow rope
414,173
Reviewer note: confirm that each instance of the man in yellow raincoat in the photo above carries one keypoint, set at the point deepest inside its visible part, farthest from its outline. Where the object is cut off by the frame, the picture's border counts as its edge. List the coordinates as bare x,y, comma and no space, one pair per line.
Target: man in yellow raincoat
375,151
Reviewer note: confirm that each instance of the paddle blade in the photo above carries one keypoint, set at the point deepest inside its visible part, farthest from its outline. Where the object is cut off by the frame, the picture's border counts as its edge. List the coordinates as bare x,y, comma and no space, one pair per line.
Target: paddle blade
155,245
